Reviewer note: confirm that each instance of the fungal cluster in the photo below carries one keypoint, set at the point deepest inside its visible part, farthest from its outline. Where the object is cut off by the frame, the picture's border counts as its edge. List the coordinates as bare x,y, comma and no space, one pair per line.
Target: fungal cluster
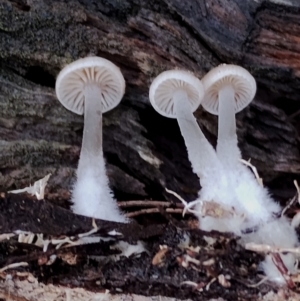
94,85
225,180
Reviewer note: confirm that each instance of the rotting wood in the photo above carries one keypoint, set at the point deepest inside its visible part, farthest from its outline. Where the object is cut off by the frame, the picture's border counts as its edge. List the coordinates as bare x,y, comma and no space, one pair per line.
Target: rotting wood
144,151
190,268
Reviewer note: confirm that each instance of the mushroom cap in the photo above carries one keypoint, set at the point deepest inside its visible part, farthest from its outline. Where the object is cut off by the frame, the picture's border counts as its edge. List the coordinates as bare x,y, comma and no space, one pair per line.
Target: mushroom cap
72,79
169,82
237,77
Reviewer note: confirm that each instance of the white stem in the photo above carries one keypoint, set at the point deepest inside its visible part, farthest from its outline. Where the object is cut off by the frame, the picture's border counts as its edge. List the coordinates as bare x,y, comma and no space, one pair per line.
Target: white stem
227,147
92,132
200,152
91,194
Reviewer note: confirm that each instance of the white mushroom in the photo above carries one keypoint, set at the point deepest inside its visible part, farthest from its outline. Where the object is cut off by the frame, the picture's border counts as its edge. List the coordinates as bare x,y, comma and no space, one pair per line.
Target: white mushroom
228,90
92,86
177,94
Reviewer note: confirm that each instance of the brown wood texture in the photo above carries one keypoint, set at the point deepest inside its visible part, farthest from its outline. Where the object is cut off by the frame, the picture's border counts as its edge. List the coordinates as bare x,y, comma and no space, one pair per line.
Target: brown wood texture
144,151
179,272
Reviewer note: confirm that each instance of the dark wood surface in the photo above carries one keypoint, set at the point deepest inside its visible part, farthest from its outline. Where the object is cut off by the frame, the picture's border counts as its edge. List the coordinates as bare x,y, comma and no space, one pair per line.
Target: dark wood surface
145,152
139,274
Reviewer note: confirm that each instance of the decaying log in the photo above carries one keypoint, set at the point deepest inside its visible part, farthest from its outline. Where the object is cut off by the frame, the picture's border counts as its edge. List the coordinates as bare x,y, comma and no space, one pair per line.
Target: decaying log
145,152
171,265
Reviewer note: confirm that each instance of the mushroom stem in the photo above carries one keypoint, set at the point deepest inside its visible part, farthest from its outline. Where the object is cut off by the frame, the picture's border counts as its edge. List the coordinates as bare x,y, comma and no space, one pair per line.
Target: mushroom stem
91,149
227,146
91,173
200,152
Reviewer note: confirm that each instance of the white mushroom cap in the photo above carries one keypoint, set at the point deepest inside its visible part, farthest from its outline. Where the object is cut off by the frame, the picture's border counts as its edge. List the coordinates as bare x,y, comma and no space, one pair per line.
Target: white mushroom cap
169,82
238,78
72,79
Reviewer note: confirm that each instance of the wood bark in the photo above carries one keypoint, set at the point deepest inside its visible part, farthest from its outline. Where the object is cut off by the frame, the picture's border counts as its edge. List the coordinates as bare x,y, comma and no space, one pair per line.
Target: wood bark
144,151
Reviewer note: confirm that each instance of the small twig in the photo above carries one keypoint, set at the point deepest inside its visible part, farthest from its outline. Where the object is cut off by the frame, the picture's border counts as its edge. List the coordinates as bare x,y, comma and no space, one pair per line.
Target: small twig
223,281
146,203
94,230
6,236
254,170
275,258
159,256
296,220
293,200
298,190
197,286
80,239
207,287
153,210
283,270
261,248
186,205
258,283
14,265
177,196
207,208
38,188
289,205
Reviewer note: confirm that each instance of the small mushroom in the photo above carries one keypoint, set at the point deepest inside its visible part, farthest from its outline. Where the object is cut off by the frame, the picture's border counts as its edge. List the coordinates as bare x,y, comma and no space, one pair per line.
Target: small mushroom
177,94
92,86
228,90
